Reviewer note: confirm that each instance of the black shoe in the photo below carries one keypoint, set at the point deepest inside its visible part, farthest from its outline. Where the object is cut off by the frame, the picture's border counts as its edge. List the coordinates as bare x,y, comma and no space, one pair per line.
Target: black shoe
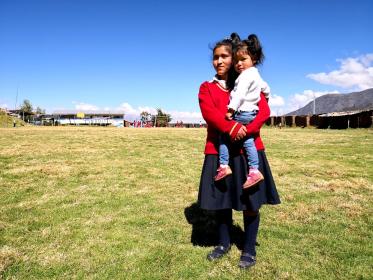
218,252
246,261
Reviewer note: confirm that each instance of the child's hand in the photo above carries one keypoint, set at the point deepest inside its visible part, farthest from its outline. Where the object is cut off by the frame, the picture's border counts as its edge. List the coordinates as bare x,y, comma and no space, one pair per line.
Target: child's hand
229,116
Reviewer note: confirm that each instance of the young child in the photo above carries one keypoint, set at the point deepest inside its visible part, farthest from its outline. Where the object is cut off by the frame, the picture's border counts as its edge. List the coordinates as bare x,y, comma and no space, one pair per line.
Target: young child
243,106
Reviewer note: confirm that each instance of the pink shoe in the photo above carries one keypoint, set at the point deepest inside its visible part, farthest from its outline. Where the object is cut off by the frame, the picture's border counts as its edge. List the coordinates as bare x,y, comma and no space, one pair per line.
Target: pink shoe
223,171
254,177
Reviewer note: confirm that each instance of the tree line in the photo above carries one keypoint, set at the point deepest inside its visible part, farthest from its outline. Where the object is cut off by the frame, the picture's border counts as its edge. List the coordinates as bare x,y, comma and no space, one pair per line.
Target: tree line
26,110
161,119
27,107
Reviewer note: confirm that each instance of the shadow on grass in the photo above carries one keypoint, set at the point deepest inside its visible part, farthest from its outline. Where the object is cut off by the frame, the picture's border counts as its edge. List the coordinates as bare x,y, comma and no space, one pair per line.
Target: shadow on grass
205,229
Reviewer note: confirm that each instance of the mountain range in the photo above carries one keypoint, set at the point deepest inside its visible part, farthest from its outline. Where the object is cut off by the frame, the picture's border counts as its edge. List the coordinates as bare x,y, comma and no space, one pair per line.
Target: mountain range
328,103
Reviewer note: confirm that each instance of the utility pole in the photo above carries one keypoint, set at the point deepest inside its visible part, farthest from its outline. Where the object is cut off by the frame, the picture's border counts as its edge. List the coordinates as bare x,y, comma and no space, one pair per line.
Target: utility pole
15,105
314,104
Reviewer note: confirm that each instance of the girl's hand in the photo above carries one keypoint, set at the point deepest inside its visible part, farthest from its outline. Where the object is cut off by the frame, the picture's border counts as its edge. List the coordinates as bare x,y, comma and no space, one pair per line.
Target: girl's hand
241,133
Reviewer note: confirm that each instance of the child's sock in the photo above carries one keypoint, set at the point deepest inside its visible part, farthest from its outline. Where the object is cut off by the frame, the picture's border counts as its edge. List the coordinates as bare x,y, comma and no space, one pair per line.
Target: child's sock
251,226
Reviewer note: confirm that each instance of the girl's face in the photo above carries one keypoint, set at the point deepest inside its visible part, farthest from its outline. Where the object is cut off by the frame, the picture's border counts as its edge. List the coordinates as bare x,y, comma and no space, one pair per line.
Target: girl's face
222,61
242,61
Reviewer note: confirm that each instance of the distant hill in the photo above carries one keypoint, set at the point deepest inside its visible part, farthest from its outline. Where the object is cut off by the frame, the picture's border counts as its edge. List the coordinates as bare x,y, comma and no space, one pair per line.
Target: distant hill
7,121
338,103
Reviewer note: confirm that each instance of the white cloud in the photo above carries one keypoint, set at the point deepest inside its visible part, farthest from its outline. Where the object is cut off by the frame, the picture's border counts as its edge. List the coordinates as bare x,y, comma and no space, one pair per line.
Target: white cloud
132,113
276,101
127,109
299,100
150,110
85,107
367,59
186,117
353,73
4,106
295,101
278,111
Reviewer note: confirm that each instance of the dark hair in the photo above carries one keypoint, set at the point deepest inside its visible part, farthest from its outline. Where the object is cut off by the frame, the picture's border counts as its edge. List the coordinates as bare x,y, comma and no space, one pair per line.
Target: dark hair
229,42
252,47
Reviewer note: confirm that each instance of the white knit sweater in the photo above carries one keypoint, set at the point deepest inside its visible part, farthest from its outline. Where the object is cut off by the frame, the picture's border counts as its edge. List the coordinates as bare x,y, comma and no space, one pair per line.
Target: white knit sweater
247,88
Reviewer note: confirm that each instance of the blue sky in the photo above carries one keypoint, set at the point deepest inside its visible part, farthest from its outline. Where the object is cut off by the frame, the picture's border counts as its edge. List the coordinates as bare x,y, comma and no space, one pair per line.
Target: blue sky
141,55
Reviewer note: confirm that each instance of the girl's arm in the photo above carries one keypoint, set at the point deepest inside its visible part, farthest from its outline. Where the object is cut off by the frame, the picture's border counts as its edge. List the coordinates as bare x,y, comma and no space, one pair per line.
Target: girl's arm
261,117
212,114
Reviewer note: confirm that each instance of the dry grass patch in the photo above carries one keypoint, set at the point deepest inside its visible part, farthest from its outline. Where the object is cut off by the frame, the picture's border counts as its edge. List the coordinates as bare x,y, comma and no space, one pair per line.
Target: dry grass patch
8,256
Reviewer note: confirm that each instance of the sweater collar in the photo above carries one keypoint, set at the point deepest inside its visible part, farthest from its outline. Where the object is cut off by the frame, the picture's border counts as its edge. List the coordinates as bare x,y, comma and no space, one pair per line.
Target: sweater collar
222,83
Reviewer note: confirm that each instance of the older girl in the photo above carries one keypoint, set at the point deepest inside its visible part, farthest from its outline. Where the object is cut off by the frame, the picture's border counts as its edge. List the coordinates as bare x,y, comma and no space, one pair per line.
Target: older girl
228,194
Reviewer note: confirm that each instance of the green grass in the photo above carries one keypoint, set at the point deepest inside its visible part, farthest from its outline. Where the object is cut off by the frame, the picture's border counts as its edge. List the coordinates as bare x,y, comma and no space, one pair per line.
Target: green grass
109,203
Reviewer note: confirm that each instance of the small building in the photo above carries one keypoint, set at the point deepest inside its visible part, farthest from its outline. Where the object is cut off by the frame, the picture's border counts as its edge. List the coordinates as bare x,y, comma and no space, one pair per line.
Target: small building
349,119
21,114
78,117
335,120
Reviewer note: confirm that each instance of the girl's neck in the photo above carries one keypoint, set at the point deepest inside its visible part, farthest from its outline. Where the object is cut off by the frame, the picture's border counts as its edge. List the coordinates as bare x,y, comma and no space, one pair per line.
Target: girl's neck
222,78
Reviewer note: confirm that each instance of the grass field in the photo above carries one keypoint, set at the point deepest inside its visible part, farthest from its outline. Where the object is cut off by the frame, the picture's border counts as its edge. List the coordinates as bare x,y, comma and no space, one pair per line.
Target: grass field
109,203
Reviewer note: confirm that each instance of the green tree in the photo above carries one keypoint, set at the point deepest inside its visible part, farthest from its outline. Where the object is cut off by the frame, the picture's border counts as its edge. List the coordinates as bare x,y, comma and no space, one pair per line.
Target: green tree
26,106
161,119
145,116
39,111
26,110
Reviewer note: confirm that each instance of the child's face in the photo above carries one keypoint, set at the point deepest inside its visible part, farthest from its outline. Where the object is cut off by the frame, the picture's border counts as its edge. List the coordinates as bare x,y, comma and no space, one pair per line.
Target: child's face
242,61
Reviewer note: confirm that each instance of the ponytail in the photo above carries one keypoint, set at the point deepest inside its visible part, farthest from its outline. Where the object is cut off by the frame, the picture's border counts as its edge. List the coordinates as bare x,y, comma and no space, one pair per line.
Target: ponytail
254,49
235,38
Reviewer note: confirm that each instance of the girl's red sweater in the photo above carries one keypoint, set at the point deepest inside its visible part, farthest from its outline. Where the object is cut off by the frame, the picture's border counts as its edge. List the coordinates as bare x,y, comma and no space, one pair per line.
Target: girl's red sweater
213,101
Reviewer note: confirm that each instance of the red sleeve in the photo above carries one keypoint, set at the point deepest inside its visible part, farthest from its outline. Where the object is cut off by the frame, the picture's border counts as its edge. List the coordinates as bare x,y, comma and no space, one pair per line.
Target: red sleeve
213,116
261,117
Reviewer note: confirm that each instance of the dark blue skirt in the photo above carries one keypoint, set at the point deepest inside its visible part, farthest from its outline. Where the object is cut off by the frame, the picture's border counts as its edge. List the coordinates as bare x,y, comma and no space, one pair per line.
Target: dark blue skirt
228,193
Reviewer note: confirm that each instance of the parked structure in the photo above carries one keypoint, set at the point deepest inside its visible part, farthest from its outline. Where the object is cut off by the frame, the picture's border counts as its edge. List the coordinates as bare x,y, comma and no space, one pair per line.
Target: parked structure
74,117
336,120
